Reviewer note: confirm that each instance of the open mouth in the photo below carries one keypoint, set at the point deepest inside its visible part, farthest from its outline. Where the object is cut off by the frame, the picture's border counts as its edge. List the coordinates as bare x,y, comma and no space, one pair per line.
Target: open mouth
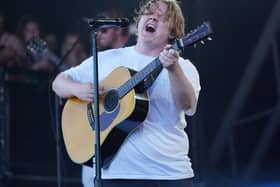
150,28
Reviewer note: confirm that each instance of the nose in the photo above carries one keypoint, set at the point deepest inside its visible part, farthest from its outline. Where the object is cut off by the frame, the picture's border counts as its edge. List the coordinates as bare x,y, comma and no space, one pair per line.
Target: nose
153,17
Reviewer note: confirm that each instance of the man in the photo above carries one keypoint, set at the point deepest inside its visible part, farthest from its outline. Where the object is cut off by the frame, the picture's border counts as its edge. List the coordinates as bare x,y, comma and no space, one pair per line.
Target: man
156,153
111,37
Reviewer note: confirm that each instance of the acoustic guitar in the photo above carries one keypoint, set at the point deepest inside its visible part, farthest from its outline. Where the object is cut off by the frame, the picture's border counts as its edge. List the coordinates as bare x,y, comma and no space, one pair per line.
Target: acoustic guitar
122,109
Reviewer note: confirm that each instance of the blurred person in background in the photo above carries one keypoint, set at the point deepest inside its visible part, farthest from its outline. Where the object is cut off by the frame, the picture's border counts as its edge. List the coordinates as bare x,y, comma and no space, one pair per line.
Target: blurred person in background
73,48
52,43
28,29
110,36
11,48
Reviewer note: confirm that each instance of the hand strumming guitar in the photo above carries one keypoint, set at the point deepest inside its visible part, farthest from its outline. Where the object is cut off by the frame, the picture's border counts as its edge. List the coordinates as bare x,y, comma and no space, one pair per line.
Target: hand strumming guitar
85,92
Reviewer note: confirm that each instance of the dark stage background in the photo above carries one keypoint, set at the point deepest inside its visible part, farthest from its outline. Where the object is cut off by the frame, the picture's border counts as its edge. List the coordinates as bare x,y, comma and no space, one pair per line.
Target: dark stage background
235,133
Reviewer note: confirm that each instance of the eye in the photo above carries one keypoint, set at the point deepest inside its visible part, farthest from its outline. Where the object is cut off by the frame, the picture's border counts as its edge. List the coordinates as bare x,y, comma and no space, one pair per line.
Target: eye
147,13
103,30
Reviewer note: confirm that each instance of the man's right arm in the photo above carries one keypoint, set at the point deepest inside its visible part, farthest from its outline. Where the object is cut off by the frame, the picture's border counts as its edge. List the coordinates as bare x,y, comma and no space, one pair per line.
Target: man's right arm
64,86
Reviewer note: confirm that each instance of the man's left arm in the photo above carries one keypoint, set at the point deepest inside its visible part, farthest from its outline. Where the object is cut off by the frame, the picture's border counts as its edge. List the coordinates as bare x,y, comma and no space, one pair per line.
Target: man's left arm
181,87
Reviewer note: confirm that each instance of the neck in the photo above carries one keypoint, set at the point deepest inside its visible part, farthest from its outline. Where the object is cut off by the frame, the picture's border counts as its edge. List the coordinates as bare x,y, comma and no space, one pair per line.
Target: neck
148,49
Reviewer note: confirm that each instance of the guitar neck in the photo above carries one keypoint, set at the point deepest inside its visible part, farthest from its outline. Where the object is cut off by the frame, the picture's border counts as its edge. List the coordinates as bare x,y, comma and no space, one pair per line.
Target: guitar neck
139,77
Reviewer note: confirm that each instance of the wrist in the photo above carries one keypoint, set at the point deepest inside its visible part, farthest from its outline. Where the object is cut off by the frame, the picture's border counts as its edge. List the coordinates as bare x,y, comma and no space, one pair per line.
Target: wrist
173,68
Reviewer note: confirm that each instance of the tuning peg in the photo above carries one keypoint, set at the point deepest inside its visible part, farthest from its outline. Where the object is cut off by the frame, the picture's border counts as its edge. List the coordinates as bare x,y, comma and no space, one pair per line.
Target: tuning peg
202,42
209,38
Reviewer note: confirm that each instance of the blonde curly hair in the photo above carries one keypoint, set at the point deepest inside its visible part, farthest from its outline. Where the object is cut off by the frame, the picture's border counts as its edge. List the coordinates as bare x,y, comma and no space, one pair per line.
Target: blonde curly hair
174,15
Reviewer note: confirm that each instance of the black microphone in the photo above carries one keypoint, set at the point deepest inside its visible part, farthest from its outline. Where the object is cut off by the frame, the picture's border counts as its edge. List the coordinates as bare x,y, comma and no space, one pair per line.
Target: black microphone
97,22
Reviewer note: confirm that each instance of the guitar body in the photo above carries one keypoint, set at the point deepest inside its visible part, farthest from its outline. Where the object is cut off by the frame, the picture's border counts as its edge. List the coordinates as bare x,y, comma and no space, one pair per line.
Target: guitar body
115,126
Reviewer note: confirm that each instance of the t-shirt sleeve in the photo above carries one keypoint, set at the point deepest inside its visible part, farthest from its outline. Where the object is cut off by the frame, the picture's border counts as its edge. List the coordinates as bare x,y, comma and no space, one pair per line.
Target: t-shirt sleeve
193,76
81,72
107,62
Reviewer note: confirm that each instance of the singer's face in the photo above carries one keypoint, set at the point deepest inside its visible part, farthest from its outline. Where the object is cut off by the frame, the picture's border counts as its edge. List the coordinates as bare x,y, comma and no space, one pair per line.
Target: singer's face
106,37
153,26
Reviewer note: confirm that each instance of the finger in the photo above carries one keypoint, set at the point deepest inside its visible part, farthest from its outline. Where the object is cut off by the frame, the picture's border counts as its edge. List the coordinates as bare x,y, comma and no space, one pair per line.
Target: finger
165,54
168,57
167,47
90,97
102,92
91,85
87,99
172,52
102,88
165,60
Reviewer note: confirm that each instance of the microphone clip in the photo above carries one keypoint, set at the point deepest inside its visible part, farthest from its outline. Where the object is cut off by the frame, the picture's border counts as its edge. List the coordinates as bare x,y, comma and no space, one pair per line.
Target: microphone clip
98,22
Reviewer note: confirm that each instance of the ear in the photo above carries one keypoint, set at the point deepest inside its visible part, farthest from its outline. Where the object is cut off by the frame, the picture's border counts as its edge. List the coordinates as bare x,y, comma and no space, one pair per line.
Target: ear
172,35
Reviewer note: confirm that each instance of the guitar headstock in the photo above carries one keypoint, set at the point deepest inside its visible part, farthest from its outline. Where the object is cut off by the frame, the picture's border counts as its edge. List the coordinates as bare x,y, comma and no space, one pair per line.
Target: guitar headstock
37,45
203,31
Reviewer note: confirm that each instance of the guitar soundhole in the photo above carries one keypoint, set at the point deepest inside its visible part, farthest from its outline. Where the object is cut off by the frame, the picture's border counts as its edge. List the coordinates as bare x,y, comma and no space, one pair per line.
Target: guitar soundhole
111,100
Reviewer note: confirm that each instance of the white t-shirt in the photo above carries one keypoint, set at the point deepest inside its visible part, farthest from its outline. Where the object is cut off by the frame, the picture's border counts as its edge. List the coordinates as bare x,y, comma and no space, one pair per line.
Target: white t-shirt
158,149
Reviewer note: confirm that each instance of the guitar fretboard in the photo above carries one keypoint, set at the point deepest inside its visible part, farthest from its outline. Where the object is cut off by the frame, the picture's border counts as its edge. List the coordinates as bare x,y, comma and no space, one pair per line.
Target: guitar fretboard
139,77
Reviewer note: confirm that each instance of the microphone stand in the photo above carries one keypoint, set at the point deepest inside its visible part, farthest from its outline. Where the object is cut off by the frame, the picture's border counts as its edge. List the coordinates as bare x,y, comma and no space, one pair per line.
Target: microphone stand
95,24
97,148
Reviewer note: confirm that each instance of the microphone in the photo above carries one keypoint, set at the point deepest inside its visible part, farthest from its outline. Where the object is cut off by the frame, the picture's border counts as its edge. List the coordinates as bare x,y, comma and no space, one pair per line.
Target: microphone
97,22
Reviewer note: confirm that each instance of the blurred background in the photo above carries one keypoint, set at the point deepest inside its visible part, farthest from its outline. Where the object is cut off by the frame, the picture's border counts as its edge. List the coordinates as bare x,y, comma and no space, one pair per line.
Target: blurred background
235,132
